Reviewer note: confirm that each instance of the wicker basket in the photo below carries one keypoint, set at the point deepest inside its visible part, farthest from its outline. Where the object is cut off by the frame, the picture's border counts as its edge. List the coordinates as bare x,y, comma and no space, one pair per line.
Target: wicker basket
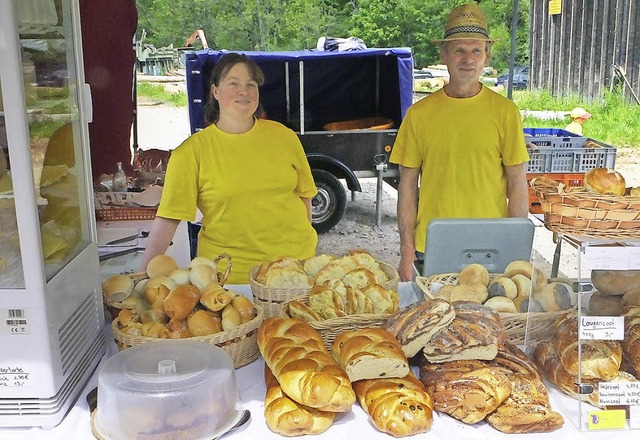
123,213
519,328
576,211
273,298
330,328
241,343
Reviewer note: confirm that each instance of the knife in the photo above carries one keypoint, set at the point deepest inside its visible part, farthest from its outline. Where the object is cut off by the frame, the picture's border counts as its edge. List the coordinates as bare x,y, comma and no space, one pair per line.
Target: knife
143,234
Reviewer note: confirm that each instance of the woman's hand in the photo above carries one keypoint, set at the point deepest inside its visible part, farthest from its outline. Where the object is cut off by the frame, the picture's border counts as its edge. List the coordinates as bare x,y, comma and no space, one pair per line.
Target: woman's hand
160,236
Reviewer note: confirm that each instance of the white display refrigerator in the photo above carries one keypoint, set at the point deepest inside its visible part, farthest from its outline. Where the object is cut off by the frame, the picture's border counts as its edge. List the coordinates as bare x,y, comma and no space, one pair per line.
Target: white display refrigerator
51,315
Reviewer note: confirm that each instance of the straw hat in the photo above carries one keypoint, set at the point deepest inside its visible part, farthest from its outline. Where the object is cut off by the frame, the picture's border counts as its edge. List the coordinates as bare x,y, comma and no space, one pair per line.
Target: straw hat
579,112
466,22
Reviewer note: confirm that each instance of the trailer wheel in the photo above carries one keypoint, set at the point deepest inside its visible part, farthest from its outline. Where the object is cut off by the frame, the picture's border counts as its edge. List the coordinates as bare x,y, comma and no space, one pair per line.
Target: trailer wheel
329,205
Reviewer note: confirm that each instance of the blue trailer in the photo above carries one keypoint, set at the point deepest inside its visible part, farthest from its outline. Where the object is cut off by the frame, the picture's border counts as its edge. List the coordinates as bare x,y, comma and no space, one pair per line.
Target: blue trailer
323,97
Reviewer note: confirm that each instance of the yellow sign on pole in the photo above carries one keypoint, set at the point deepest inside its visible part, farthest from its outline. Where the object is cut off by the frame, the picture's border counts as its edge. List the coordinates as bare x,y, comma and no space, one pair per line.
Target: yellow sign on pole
555,7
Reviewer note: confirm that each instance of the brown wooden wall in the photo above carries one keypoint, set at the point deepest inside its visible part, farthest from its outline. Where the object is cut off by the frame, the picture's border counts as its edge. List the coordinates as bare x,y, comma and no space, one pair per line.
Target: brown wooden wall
575,51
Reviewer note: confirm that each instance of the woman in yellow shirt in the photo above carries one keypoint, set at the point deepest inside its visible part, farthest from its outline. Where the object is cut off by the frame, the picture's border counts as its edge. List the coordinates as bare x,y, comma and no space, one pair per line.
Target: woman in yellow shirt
249,177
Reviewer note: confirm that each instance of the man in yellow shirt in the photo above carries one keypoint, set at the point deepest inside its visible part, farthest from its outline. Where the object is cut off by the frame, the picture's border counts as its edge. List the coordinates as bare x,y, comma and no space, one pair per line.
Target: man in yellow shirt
464,144
578,116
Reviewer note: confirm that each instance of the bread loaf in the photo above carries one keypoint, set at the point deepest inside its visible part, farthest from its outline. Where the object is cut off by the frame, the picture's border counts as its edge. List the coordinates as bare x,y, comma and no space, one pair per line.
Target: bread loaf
307,373
369,353
474,274
605,181
476,293
286,417
397,406
599,359
475,333
631,343
554,297
414,325
296,309
313,265
601,304
616,282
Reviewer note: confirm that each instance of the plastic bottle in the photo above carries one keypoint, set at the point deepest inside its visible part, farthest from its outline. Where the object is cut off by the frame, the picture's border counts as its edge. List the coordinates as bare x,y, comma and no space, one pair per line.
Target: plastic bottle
119,179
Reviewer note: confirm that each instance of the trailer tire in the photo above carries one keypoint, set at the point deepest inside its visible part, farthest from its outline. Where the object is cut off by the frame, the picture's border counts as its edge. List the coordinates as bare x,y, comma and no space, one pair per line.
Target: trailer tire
329,205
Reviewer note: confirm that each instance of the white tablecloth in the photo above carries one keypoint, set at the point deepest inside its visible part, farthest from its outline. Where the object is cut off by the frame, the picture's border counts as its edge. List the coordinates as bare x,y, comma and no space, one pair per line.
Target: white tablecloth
348,426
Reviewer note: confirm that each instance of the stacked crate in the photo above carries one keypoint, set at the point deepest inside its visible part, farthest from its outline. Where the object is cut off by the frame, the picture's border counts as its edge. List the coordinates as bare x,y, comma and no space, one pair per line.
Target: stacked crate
563,156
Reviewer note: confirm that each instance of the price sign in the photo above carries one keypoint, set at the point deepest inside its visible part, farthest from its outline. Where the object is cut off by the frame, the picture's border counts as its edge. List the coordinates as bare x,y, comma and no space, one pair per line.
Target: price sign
619,393
607,328
634,258
607,419
606,258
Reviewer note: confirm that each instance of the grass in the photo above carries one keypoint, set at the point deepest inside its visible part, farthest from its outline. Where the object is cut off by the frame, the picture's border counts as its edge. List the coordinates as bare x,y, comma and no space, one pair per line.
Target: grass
613,121
159,93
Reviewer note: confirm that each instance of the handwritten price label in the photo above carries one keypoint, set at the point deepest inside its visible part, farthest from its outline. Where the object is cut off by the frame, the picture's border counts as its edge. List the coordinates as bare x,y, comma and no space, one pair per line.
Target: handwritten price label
606,257
606,328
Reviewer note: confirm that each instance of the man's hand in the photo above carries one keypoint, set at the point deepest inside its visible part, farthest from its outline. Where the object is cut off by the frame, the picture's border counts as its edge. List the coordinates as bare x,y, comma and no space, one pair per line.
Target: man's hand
406,268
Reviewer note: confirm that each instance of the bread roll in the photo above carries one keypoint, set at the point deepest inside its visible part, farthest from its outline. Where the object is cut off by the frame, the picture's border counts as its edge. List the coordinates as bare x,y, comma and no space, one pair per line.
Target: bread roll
287,417
630,299
277,264
501,304
398,406
384,301
616,282
474,274
369,353
307,373
180,302
476,293
605,181
169,282
116,288
313,265
215,297
529,305
180,276
156,295
359,278
444,292
202,275
230,318
554,297
538,280
154,315
161,265
245,307
503,286
522,267
296,309
414,325
203,323
155,330
634,192
523,284
363,304
203,260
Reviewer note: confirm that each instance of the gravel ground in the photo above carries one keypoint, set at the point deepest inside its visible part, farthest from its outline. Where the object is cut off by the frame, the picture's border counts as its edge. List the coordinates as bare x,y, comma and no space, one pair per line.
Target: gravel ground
165,127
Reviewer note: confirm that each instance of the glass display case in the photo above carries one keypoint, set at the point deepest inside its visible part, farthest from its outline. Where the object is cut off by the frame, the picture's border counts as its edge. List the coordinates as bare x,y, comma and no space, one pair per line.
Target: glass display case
598,347
50,303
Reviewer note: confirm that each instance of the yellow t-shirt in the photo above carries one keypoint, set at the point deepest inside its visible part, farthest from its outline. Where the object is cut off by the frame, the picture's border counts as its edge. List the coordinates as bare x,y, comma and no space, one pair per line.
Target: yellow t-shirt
461,147
248,188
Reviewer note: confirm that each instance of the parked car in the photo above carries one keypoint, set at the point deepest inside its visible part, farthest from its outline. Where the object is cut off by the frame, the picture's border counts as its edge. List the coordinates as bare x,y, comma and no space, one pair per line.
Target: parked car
520,78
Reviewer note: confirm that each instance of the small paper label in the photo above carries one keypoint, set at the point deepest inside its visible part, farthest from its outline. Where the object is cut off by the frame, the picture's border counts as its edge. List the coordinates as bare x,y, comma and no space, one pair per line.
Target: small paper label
607,419
14,322
619,393
606,258
606,328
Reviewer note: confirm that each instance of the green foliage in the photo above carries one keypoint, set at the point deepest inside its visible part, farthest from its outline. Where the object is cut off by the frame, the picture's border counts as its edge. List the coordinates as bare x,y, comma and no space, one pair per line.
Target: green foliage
159,93
613,120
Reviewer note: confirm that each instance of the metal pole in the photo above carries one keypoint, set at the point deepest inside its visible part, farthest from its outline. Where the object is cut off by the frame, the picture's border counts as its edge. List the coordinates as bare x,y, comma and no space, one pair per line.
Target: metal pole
512,58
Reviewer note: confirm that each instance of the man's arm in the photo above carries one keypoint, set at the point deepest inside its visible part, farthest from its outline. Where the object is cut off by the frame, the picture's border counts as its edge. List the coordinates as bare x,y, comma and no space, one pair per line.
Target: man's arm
407,219
517,190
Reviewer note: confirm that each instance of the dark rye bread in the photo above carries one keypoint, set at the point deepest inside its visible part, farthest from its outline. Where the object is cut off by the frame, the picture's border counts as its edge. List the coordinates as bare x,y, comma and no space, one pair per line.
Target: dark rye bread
475,333
413,326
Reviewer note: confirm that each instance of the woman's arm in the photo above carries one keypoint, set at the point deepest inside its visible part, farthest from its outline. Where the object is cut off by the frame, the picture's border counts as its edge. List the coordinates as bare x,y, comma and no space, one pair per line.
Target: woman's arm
407,219
307,204
160,236
517,191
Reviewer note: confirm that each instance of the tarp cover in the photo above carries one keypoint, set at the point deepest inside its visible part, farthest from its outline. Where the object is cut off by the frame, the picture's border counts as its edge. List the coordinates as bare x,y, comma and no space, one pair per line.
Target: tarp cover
338,86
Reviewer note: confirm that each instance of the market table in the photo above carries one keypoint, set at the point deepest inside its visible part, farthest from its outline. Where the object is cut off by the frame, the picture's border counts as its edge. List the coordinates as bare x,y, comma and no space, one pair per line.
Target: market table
348,426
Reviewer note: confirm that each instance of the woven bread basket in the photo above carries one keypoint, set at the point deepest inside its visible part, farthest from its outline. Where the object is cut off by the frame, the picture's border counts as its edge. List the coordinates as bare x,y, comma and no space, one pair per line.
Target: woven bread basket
114,307
577,211
519,328
330,328
241,343
272,299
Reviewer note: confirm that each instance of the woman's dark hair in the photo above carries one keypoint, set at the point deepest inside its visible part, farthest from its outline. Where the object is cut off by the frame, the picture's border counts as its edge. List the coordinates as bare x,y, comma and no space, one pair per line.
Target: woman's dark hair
222,67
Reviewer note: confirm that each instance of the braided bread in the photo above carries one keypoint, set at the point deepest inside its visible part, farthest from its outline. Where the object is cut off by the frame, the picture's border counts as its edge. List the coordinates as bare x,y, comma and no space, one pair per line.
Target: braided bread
307,373
397,406
287,417
599,359
369,353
